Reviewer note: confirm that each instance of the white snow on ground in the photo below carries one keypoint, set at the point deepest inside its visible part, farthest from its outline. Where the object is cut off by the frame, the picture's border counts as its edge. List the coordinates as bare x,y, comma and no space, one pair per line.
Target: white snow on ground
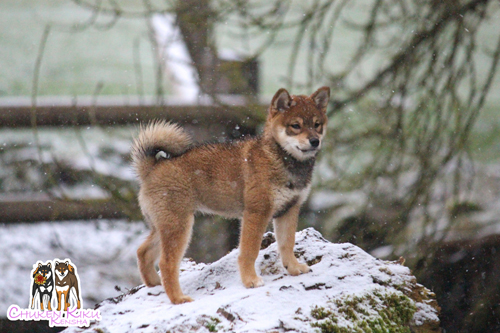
103,251
283,303
101,150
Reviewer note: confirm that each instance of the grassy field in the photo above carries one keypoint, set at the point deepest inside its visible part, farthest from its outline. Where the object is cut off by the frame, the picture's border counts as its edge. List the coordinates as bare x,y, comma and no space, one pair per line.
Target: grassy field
74,64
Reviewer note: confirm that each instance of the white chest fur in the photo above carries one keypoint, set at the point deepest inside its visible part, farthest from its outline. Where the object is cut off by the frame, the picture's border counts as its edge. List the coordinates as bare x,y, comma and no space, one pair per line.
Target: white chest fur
49,289
284,197
60,277
62,289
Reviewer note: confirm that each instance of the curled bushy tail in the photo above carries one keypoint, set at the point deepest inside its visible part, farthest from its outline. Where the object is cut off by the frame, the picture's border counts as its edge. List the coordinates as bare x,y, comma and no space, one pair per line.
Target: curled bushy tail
156,141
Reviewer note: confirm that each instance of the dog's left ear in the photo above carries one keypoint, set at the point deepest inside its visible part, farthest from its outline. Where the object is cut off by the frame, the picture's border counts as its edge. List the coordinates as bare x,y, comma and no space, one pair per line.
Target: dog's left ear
49,264
321,98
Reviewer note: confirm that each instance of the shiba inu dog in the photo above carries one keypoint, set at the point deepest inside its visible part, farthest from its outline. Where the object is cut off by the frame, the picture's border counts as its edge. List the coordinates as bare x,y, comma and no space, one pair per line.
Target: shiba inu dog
66,280
43,285
257,180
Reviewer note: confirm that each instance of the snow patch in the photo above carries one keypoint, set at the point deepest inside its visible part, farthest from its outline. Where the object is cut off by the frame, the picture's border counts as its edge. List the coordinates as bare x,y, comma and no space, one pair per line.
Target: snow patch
104,252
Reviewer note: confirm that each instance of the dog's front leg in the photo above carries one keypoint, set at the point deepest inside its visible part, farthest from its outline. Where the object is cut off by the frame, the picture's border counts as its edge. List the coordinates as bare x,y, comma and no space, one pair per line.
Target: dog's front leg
59,293
284,228
253,227
66,300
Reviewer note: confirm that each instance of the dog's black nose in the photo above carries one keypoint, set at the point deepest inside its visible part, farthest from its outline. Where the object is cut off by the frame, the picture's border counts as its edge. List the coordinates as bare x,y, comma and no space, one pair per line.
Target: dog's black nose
314,142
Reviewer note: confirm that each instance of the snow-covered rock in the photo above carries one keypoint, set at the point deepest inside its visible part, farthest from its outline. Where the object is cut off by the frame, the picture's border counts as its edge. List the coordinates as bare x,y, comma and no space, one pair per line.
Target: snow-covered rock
347,291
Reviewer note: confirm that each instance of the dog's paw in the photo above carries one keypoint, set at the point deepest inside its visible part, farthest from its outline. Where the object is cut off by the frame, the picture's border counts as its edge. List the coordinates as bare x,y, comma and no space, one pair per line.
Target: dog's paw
152,283
182,299
298,269
253,282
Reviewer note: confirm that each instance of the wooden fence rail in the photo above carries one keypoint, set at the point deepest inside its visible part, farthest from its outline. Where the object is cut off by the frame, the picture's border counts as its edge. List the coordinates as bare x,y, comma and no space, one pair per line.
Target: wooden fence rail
15,116
59,210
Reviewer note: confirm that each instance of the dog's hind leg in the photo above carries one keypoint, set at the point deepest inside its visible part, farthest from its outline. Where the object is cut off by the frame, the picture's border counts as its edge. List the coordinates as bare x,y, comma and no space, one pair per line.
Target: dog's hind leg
175,233
147,254
34,293
76,294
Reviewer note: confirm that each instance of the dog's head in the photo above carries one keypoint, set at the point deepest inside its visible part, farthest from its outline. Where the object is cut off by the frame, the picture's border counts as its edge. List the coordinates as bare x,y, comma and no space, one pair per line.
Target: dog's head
62,269
45,270
298,123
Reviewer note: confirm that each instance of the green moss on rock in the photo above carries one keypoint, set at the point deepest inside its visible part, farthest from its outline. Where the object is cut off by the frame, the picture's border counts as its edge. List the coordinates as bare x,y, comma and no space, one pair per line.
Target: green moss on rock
372,313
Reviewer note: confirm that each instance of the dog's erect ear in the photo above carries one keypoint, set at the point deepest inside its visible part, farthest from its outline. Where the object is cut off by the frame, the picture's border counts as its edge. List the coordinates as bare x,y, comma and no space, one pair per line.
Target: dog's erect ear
39,264
321,98
281,101
49,264
57,263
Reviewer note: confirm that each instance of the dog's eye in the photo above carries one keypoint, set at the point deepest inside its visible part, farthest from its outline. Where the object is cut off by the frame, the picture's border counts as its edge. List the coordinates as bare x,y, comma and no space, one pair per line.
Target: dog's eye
295,126
317,125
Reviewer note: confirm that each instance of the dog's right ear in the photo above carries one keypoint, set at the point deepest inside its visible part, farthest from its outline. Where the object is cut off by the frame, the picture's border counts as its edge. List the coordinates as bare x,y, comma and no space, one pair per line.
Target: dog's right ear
321,98
281,102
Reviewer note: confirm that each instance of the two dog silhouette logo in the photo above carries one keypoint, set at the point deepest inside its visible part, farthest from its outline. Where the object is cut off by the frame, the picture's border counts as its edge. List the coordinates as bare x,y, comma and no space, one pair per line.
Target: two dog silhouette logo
55,296
57,278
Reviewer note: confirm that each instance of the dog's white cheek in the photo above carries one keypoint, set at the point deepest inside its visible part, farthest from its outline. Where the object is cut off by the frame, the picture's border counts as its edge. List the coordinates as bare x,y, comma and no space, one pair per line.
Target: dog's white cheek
289,143
281,136
293,146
